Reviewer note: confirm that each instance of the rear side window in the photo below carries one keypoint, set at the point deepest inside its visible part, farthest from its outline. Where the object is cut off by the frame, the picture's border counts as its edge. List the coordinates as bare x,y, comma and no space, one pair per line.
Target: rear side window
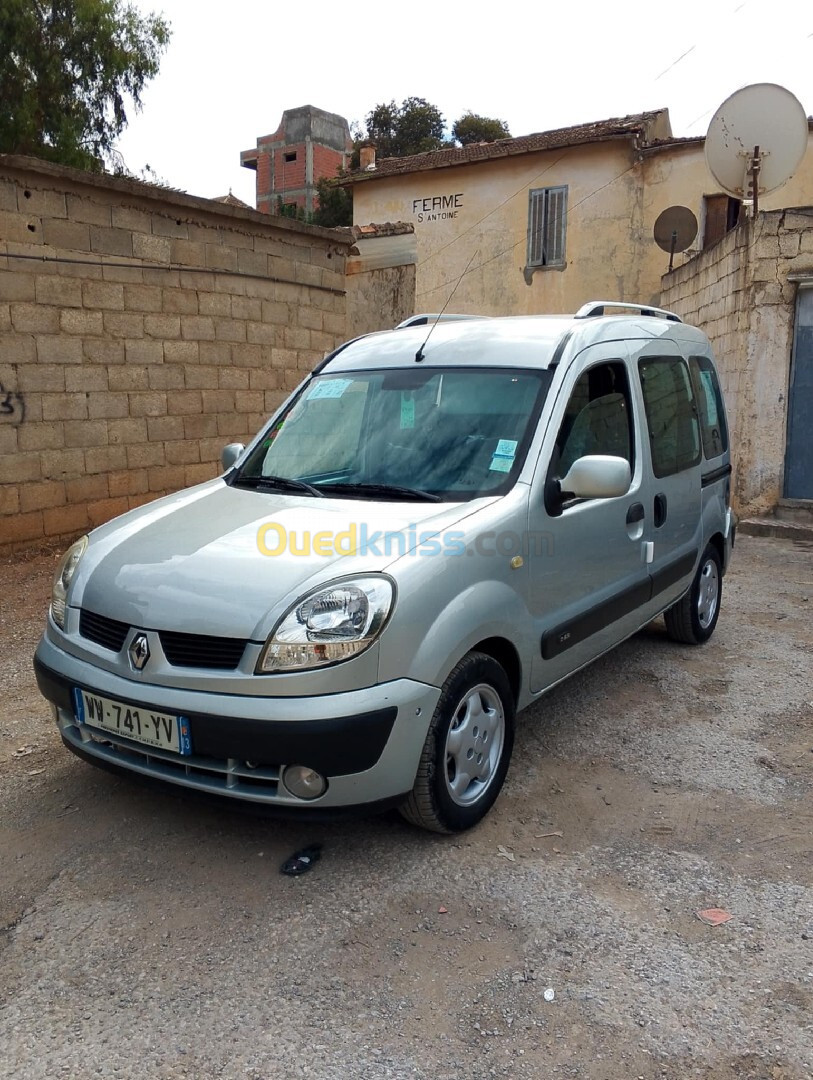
598,417
710,406
674,433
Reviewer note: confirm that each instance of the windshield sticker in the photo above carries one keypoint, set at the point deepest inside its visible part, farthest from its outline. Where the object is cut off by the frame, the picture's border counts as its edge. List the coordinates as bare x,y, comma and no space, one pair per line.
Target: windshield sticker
501,464
506,448
330,388
407,412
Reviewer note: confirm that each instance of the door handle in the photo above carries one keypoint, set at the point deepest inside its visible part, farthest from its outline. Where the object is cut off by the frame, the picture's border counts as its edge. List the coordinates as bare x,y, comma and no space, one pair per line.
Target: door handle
660,509
635,513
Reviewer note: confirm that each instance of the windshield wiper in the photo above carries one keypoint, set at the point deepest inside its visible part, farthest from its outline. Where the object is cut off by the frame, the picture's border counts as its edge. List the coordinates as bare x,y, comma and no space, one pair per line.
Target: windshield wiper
373,490
276,483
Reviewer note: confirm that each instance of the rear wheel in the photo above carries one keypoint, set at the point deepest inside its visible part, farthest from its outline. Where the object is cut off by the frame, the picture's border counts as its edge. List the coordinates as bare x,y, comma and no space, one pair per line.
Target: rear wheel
693,618
467,749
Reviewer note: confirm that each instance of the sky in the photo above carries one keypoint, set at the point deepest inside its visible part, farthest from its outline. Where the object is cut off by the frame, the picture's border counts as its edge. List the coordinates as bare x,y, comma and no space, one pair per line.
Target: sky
230,70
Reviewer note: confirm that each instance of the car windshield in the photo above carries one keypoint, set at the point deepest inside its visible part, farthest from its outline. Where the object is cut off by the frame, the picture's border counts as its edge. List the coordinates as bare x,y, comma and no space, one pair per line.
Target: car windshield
401,433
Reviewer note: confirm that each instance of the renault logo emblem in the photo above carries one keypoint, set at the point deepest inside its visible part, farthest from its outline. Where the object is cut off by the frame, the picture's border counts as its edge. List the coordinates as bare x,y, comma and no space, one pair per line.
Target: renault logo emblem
139,651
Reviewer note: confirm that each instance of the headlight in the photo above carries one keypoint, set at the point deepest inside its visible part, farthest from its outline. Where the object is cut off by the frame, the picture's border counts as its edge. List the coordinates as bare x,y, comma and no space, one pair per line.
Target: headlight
330,624
62,579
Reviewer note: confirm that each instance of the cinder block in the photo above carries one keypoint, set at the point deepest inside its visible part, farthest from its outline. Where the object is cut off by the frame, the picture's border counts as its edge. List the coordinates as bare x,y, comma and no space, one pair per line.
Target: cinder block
68,235
199,474
200,427
21,527
20,228
162,326
201,377
127,217
230,329
145,351
22,467
197,328
89,378
87,488
127,432
265,333
87,434
166,377
296,337
165,428
142,298
180,302
34,319
166,478
8,195
40,436
184,403
17,349
148,403
88,210
16,286
261,379
232,378
246,354
102,459
181,352
64,406
181,452
210,303
65,519
58,349
252,262
219,258
61,464
154,249
247,401
125,482
110,241
78,321
123,324
41,201
9,503
188,252
145,456
38,377
128,377
106,510
163,225
215,353
197,280
103,294
250,308
105,405
124,275
215,401
103,351
233,428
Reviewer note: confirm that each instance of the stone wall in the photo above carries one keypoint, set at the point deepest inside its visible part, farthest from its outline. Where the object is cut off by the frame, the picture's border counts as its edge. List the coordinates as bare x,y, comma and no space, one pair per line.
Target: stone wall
141,329
380,276
742,293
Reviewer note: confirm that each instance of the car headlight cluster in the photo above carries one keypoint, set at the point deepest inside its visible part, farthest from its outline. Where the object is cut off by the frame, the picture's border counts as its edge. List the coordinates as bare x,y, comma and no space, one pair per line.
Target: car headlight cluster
62,579
330,624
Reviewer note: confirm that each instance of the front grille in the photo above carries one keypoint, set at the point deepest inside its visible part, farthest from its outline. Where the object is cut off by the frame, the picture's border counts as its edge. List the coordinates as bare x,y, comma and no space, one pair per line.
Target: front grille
201,651
108,633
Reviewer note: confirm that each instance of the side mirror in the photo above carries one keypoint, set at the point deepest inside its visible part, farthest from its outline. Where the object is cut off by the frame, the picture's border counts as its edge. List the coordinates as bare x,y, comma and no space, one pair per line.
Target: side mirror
230,455
597,476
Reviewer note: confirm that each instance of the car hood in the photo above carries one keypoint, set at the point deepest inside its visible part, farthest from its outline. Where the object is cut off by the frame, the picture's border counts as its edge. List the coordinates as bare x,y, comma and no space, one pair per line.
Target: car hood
191,562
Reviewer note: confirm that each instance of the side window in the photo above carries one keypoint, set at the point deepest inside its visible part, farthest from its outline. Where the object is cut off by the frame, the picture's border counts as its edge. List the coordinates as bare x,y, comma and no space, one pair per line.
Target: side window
674,433
709,406
598,418
547,220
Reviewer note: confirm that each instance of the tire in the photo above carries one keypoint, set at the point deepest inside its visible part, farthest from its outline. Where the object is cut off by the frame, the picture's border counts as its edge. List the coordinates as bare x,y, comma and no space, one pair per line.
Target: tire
693,618
450,794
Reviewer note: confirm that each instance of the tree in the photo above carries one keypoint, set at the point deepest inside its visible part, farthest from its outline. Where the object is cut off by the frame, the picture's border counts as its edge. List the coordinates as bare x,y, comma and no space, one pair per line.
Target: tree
67,68
471,128
413,127
335,204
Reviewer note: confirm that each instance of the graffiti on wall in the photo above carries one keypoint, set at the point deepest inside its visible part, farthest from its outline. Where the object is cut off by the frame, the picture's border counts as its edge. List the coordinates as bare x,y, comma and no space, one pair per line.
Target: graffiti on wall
12,407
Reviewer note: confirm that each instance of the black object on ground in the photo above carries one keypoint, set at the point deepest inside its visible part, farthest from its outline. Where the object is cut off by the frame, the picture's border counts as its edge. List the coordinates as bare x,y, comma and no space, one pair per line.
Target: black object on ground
301,861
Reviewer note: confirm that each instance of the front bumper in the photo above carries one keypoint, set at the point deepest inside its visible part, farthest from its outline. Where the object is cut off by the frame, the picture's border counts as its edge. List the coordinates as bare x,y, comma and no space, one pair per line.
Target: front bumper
367,743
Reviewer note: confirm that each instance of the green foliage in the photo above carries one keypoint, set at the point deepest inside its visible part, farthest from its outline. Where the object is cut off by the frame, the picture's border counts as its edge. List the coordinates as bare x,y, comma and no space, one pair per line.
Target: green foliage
335,204
413,127
67,69
471,128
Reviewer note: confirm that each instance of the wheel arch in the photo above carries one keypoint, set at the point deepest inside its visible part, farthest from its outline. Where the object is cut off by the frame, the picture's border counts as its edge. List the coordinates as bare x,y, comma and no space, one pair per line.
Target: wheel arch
506,655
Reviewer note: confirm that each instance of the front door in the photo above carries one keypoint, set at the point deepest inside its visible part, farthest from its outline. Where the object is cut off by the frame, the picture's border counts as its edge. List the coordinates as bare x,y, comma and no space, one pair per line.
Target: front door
799,456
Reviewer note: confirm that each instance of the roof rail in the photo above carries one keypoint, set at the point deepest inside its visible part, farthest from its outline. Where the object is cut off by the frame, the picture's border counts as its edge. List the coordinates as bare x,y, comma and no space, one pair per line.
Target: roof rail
424,319
594,308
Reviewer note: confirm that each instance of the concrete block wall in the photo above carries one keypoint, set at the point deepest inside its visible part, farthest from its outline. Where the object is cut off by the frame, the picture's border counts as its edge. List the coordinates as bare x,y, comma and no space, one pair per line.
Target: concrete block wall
140,330
742,293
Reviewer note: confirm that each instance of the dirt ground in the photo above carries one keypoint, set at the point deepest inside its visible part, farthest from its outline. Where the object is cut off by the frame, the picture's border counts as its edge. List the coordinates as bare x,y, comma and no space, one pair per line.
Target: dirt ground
143,934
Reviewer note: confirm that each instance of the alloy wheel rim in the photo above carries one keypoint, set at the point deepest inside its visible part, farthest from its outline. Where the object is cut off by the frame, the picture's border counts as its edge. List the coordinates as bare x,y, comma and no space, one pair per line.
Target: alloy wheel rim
474,744
708,593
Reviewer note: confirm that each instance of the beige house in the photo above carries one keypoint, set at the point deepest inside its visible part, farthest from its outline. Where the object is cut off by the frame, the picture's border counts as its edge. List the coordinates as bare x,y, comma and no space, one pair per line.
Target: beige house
544,222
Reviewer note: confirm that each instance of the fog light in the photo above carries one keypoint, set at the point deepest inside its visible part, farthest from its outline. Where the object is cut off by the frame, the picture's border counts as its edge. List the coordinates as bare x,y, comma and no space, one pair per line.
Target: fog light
303,782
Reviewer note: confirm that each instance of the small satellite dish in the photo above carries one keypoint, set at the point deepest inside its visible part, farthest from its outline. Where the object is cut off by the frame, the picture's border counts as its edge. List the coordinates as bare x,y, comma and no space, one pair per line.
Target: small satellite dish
675,230
756,141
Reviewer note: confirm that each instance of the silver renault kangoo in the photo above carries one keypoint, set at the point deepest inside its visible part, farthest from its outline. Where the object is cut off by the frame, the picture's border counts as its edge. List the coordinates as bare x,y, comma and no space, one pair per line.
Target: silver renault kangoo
440,524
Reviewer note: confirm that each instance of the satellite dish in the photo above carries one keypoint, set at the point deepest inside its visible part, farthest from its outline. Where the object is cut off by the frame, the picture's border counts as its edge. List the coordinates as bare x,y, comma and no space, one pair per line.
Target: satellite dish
756,141
675,230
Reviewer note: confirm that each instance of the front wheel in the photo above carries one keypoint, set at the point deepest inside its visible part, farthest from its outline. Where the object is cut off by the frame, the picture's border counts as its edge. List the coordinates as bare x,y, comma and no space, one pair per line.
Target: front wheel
467,749
693,618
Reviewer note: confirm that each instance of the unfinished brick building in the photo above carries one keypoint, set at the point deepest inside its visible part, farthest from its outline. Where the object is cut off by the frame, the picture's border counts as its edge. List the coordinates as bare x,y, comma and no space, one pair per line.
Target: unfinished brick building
308,144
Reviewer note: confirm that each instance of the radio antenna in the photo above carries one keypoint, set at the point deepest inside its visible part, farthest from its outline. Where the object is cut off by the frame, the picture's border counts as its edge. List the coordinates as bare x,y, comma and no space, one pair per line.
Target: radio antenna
419,354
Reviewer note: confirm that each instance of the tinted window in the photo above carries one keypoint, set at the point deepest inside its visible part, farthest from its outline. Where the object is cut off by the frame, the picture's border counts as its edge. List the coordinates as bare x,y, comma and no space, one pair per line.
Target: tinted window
709,406
674,433
597,418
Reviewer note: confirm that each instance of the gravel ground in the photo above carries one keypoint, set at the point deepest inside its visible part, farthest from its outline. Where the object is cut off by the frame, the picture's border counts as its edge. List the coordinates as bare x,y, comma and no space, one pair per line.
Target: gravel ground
147,935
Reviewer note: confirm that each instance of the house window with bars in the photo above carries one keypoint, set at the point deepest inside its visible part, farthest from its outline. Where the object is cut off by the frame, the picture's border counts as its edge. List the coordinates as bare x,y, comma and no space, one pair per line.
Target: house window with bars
547,221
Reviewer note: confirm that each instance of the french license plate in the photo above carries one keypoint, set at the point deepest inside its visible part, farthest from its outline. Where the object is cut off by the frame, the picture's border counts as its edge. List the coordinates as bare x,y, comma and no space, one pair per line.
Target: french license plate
142,725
